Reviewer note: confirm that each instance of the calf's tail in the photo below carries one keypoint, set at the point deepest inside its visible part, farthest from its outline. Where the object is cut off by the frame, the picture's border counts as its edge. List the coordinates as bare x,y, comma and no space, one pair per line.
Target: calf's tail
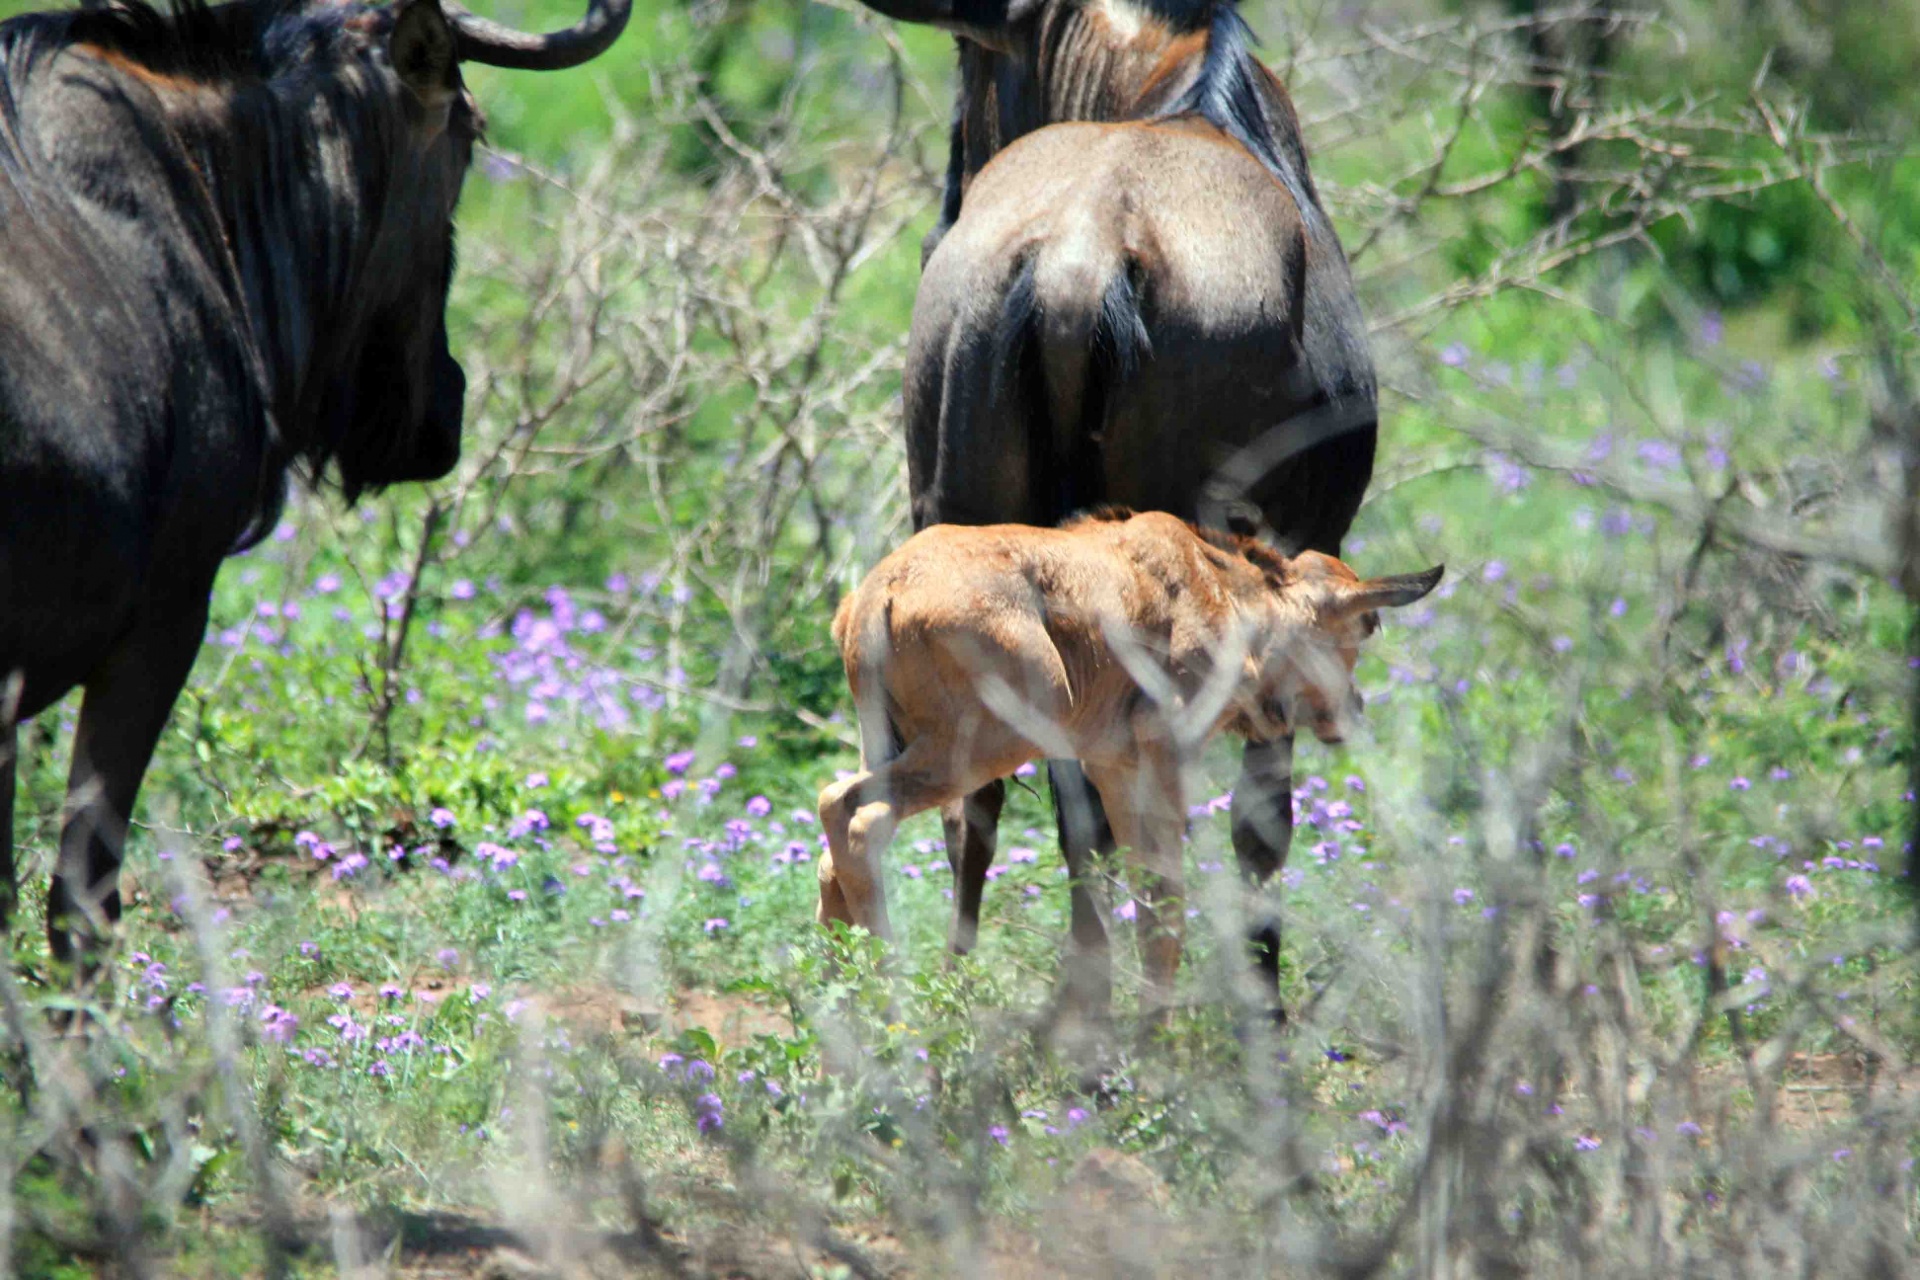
865,657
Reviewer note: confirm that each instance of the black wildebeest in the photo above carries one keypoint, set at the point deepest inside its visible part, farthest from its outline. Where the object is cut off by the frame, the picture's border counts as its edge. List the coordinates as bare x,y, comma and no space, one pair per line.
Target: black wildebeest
1133,296
228,243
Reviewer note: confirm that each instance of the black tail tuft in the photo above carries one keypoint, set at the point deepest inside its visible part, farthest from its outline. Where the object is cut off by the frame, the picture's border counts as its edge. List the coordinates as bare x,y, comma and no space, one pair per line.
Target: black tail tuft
1064,464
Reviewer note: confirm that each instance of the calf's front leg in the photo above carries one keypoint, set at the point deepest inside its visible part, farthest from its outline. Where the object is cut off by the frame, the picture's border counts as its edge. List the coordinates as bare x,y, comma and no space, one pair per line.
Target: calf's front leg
1143,800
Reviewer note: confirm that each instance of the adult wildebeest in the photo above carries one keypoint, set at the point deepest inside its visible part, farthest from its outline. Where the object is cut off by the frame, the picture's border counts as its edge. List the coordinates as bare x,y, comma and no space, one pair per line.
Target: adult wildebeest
1149,308
1122,640
228,243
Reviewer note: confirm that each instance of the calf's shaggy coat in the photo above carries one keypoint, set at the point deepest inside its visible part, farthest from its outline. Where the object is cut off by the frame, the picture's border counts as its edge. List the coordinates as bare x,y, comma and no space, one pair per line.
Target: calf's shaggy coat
1121,640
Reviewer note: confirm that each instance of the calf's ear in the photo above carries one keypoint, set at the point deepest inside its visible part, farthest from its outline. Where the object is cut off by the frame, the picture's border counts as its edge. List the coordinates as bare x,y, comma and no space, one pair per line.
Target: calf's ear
1390,592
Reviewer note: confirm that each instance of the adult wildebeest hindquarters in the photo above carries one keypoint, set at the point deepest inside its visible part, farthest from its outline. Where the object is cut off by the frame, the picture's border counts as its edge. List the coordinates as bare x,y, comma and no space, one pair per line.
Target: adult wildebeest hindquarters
1122,640
229,239
1149,309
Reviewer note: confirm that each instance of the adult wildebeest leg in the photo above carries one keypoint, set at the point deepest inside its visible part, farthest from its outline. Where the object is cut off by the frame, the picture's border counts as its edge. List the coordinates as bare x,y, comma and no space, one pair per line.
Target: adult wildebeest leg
972,826
1262,815
1087,976
126,706
11,687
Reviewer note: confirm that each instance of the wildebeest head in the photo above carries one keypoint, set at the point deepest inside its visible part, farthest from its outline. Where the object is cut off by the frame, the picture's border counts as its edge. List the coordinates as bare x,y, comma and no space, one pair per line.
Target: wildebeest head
1306,672
389,404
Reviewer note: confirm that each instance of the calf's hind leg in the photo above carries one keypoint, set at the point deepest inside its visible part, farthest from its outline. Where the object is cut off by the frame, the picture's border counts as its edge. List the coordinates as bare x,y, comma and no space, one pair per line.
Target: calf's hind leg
859,816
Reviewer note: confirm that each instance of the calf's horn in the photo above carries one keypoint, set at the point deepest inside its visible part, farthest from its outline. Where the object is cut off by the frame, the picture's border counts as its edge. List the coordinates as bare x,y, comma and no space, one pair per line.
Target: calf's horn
481,40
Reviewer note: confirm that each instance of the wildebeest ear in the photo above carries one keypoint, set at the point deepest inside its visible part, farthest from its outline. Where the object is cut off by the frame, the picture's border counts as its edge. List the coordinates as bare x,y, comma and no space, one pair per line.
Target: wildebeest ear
1391,592
422,50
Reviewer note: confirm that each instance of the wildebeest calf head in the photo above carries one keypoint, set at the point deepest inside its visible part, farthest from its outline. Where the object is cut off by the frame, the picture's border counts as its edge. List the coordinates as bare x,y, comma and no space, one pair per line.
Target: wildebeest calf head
1301,671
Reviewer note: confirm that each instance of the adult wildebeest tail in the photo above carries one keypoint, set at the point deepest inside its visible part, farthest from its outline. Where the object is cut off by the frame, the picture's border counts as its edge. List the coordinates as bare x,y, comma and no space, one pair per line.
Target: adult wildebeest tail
1072,331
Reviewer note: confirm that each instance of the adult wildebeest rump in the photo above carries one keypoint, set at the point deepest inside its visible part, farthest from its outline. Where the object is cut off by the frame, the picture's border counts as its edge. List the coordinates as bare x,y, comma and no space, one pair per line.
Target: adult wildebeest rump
1149,308
228,243
1122,640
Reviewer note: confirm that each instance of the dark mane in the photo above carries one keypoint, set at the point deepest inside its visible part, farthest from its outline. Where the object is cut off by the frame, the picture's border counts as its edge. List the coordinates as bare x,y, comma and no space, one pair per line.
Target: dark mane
190,39
1234,92
1255,552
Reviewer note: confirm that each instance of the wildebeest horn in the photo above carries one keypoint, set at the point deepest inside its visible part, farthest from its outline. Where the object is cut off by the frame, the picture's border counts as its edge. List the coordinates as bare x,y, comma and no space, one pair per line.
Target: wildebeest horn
1391,592
484,41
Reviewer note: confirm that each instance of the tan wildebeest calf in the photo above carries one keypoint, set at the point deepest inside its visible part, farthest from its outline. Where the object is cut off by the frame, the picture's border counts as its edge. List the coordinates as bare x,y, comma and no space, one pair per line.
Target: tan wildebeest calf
1122,640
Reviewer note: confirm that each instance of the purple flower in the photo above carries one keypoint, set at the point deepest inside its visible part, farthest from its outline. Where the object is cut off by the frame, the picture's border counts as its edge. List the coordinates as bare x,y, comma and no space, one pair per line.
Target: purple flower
1800,887
1127,910
527,823
1454,356
700,1070
1740,784
1586,1142
441,817
461,589
480,991
998,1133
391,991
670,1063
1076,1116
340,991
1494,570
277,1025
1020,853
1463,896
678,762
715,924
1659,454
499,855
447,957
759,807
708,1112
